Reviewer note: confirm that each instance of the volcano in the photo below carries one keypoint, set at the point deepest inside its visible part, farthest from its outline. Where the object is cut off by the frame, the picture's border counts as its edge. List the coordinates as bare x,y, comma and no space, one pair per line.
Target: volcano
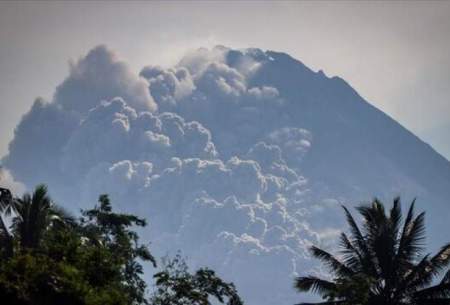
239,158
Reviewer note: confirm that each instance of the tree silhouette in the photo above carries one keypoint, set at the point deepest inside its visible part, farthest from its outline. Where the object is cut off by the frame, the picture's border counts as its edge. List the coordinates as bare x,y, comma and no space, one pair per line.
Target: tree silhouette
49,257
34,214
381,263
6,238
175,285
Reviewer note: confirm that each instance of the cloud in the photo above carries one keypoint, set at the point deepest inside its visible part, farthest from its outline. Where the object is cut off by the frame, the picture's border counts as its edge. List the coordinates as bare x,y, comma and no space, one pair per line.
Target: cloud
7,181
195,204
213,87
38,143
168,86
196,61
294,142
100,75
201,152
238,157
114,131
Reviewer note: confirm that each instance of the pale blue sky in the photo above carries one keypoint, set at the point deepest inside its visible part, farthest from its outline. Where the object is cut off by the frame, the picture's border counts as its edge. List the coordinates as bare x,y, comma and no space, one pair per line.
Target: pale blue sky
394,54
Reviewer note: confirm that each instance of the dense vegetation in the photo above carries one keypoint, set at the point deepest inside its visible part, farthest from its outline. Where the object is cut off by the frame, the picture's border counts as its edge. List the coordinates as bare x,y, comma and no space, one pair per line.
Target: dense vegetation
176,286
50,257
382,263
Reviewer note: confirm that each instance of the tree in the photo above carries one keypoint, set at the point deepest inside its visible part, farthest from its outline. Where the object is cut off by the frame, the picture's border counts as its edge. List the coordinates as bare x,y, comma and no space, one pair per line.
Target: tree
50,257
34,215
6,239
5,198
382,263
113,250
175,285
27,274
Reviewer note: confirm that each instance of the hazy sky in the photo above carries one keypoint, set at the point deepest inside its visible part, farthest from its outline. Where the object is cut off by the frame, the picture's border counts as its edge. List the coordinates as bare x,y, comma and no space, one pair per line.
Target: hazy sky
395,54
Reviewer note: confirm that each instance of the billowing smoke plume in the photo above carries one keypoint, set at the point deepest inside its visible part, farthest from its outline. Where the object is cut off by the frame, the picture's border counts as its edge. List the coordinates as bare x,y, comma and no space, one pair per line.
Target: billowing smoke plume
234,157
101,76
7,181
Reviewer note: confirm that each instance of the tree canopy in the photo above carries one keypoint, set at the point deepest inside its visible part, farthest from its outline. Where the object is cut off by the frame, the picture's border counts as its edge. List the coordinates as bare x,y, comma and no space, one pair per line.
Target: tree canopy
382,262
50,257
175,285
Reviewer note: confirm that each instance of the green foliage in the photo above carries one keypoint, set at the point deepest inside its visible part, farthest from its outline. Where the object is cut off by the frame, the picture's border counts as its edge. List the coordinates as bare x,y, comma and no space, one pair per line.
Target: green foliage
113,251
175,285
48,257
381,263
355,289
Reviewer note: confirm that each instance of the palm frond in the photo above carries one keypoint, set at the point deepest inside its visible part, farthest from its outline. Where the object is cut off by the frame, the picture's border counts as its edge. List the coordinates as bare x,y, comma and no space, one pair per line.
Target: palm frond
404,251
443,301
7,202
446,277
414,276
357,236
441,290
374,219
352,257
424,273
33,217
326,303
415,237
6,239
381,236
331,262
314,284
384,252
395,216
441,260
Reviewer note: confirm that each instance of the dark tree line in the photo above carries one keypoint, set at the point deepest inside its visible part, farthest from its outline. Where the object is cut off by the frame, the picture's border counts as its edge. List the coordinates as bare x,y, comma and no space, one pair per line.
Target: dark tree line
48,256
382,263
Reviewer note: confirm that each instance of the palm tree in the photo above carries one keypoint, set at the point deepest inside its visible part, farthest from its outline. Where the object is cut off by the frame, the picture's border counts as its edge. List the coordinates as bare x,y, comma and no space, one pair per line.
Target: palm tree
5,198
33,215
6,239
381,263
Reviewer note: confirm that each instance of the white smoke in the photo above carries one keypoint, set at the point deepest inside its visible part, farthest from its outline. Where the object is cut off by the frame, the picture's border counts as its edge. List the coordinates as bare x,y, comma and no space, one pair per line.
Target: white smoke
101,75
232,205
214,152
7,181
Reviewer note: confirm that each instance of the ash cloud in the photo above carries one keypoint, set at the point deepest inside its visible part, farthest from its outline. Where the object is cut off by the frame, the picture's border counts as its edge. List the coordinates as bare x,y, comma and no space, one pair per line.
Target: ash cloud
184,147
8,181
238,157
101,75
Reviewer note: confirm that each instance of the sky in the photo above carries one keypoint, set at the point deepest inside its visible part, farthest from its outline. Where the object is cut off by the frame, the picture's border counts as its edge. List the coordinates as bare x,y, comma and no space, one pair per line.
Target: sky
395,54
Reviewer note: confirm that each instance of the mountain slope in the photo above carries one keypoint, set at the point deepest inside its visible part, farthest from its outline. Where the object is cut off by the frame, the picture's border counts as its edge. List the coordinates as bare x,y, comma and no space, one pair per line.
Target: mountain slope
240,158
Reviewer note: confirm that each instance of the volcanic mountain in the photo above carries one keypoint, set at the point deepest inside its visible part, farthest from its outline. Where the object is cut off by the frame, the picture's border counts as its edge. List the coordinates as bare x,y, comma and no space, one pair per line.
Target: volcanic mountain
240,158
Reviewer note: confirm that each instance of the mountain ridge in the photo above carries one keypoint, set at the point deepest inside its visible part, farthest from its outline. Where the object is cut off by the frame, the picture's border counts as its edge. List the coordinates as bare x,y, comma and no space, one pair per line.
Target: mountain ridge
239,157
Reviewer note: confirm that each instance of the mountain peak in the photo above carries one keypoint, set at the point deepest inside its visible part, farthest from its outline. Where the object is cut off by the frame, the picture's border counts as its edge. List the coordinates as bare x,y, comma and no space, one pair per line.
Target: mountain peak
239,157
